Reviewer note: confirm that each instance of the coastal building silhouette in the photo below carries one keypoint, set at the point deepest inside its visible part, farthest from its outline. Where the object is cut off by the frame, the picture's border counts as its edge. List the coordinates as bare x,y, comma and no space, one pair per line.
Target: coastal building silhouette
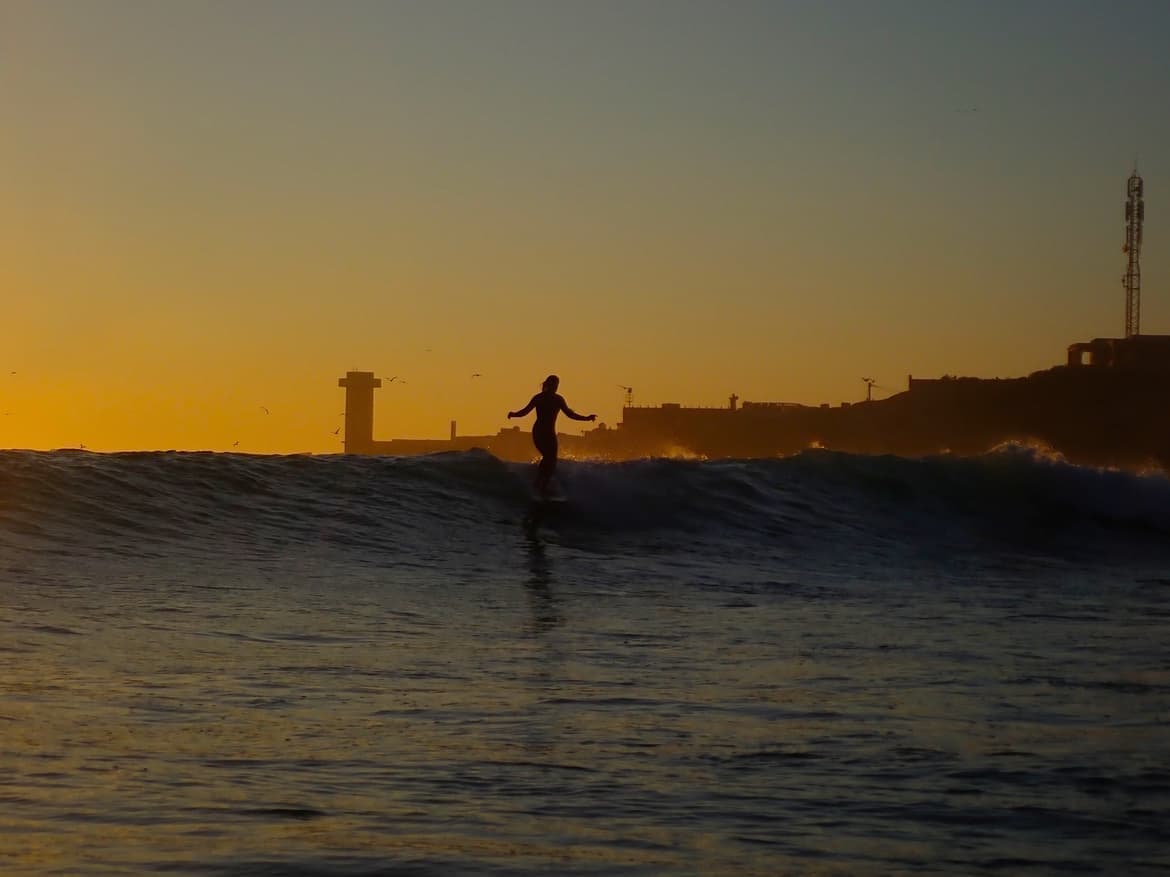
359,424
359,411
1135,350
1108,404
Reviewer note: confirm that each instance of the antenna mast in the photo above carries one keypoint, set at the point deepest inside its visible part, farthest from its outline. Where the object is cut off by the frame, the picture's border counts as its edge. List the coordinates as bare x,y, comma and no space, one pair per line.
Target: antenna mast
1135,216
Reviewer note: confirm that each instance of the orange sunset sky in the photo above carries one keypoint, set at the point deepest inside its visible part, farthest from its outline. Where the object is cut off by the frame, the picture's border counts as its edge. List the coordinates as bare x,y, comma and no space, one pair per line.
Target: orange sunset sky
211,207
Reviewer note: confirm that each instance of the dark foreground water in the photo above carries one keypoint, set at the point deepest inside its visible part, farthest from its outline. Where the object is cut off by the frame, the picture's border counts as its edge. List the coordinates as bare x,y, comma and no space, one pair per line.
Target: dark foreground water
229,665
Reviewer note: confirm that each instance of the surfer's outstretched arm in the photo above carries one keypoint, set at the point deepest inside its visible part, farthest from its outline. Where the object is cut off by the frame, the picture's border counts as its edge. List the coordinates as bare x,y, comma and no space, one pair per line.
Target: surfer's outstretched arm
569,412
531,404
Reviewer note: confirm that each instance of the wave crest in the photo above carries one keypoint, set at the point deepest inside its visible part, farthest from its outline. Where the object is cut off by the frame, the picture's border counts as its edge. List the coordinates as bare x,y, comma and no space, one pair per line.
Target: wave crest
1016,494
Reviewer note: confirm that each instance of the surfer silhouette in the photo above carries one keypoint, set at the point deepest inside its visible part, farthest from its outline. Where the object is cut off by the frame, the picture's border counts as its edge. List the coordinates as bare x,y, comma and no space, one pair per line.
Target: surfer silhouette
548,404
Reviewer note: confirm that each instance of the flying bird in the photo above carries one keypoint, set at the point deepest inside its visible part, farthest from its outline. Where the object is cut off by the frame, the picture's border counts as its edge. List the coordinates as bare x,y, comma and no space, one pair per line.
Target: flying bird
266,411
336,431
477,375
235,444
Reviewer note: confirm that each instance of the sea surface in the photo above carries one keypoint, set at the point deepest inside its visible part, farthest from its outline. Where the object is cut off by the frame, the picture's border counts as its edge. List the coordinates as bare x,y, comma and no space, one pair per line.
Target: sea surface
230,665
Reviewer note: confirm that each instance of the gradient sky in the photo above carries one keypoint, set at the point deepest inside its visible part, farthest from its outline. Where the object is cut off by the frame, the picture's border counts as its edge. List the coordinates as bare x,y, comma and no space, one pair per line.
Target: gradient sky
209,207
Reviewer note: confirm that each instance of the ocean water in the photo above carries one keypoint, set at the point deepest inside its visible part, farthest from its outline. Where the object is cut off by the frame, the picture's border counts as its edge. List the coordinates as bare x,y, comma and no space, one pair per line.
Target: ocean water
217,664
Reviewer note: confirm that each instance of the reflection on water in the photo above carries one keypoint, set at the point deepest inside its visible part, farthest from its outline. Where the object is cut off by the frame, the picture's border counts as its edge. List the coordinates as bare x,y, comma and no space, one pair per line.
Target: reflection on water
572,712
545,613
542,732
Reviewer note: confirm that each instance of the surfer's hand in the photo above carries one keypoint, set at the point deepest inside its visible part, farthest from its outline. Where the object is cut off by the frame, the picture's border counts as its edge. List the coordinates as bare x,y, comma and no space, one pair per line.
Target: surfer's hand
591,417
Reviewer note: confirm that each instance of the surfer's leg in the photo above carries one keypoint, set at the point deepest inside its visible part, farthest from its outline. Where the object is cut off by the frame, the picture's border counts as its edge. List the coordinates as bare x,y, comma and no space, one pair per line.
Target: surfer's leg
547,445
539,481
544,472
550,463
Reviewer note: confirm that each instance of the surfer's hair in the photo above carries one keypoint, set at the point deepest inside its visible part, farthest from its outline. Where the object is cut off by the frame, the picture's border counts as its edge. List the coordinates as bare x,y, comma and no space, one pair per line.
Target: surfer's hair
551,382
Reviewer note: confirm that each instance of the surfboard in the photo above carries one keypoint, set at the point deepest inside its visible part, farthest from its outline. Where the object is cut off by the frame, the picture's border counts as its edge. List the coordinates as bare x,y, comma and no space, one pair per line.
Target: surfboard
546,510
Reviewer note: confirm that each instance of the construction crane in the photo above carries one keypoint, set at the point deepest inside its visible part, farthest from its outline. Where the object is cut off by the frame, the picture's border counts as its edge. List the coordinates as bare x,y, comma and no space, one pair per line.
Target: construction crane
870,386
629,394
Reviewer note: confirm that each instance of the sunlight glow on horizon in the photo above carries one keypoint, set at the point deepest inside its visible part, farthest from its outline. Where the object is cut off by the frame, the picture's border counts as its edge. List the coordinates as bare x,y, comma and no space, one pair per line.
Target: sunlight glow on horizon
213,209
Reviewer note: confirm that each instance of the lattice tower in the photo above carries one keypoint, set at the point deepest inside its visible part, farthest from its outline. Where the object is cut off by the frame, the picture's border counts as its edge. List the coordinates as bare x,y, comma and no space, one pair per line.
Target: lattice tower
1135,215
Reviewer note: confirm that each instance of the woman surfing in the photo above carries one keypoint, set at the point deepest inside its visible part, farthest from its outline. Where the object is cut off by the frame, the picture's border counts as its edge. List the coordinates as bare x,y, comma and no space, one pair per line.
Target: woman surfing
548,404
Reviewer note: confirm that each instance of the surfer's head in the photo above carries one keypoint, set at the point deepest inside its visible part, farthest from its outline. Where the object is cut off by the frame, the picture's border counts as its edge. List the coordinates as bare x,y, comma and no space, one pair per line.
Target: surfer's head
551,383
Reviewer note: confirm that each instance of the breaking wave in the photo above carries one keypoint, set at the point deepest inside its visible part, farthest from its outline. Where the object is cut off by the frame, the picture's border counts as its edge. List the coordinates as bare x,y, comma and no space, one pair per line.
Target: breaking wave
1014,495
